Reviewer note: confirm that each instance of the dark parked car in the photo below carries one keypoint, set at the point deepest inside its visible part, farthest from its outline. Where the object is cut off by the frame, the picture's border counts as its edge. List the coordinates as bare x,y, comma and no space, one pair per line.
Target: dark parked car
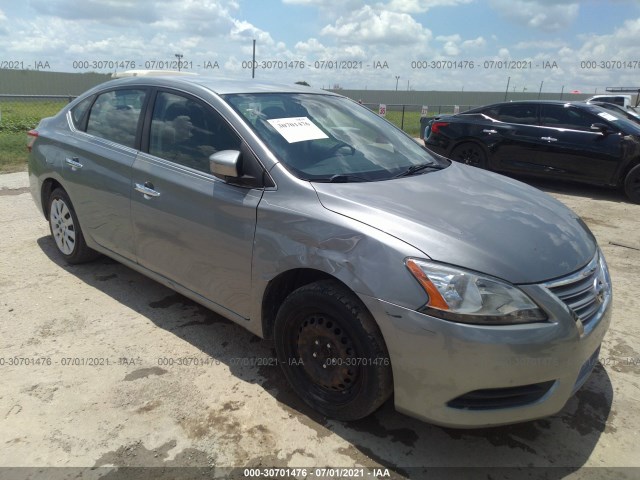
572,141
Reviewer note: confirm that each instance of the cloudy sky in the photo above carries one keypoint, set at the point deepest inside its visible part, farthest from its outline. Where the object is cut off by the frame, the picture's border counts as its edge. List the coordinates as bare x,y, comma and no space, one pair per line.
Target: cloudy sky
428,44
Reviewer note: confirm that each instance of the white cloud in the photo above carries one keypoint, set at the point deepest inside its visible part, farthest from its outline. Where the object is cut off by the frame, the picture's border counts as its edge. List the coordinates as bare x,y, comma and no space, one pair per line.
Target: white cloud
421,6
540,45
3,23
245,31
371,26
547,15
453,45
311,46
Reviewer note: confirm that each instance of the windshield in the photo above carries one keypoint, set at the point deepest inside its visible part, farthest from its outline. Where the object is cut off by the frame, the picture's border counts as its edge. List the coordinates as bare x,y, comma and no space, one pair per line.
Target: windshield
329,138
624,121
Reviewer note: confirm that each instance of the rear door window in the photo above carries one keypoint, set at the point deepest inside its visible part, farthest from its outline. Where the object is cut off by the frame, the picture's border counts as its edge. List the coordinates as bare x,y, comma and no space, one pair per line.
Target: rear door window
115,116
517,113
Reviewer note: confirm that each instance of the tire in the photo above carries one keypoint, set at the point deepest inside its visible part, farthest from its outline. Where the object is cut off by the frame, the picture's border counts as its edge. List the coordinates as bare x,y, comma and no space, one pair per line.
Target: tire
332,352
470,154
632,184
66,231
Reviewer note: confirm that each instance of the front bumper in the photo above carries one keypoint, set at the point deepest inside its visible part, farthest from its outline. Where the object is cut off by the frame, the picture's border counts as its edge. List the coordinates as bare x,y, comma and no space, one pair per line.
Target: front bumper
465,376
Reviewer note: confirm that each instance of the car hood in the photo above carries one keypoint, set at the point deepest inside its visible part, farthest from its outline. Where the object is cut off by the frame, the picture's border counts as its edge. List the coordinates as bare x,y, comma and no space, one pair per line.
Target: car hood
471,218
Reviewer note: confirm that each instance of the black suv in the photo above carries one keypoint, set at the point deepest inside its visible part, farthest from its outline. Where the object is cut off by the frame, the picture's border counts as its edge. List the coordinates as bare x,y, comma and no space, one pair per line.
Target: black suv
572,141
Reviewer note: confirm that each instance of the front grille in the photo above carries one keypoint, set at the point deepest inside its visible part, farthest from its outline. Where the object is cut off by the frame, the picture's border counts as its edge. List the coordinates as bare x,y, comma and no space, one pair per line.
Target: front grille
584,292
495,398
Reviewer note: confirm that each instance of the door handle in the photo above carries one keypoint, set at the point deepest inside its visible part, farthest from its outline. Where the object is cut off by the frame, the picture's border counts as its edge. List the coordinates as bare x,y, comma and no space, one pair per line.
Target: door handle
73,163
549,139
147,190
489,131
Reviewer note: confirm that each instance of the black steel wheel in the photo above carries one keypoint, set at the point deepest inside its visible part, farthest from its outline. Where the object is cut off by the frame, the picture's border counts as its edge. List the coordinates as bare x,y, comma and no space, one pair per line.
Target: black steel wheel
332,352
65,229
470,154
632,184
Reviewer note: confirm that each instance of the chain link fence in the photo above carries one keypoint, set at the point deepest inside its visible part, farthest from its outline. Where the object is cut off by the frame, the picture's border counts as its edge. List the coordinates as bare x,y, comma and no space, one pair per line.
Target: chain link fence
407,116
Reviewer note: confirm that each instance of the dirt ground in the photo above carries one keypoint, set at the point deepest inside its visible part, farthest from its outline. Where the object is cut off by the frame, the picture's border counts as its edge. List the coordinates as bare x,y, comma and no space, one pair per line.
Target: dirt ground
114,369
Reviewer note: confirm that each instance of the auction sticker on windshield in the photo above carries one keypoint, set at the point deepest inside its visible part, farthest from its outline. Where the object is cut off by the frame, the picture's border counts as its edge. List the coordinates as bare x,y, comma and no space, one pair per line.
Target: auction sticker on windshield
608,116
297,129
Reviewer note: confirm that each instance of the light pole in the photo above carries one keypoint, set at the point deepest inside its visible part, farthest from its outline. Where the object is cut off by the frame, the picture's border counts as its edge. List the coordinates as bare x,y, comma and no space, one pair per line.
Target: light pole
397,78
253,60
179,57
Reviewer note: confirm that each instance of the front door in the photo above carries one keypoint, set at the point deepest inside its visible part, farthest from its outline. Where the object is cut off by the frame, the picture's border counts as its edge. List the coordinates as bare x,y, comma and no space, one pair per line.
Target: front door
191,227
571,150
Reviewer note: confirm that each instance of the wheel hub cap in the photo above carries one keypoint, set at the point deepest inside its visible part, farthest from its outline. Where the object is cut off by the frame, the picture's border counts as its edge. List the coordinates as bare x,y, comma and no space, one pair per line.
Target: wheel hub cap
327,353
62,226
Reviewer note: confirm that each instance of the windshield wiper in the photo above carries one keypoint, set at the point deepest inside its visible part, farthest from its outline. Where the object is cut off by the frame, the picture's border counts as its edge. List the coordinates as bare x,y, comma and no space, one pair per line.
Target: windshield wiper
341,178
418,168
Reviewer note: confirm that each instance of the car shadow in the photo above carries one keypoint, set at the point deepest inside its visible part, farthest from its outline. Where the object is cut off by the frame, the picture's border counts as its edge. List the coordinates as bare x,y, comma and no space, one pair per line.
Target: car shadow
387,439
595,192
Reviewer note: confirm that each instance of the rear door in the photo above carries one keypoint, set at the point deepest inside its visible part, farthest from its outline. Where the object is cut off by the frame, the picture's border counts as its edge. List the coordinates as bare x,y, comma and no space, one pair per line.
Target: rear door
190,226
96,167
513,140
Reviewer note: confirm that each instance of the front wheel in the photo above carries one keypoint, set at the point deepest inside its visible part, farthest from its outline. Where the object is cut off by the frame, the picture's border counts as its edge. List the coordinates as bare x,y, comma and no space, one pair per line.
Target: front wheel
65,229
470,154
632,184
332,352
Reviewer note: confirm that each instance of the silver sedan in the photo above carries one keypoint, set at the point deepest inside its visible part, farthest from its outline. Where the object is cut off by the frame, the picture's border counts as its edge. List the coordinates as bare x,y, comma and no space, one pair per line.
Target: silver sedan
378,268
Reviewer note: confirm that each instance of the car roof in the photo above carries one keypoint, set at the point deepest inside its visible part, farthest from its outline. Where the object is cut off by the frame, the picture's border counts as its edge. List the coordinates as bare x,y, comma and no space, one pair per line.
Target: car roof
220,86
526,102
538,102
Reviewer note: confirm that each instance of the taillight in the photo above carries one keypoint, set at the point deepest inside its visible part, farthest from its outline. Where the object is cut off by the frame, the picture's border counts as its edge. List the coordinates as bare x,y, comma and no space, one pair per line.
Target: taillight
31,137
436,126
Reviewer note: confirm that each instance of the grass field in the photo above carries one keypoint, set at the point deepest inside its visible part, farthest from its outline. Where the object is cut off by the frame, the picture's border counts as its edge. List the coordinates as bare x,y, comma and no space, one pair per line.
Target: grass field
411,121
18,117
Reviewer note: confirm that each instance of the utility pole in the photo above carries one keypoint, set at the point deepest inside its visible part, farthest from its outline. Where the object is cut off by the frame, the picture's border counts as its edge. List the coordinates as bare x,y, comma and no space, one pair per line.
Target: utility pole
253,60
397,78
179,57
506,92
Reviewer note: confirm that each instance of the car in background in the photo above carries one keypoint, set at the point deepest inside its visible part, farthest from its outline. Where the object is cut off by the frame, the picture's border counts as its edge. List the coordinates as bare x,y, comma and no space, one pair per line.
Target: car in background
562,140
624,101
426,122
378,269
629,113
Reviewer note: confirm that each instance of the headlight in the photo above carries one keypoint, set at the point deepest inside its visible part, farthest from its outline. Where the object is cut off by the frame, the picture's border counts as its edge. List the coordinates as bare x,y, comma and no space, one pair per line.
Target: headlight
462,296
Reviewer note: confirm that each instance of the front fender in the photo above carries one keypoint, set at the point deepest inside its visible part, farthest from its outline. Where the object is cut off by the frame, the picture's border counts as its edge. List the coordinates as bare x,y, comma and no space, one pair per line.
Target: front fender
307,235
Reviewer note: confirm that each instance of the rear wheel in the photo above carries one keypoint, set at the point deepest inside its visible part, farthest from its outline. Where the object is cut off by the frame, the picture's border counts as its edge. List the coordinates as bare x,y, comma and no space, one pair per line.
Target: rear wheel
470,154
632,184
66,231
332,352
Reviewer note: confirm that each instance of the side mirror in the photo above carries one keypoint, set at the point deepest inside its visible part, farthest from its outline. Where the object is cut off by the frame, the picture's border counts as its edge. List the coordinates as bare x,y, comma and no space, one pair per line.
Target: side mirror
600,127
225,163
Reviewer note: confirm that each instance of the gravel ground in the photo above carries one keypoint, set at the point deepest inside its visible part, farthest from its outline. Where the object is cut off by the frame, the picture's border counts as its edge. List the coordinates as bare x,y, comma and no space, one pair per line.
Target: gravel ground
99,383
